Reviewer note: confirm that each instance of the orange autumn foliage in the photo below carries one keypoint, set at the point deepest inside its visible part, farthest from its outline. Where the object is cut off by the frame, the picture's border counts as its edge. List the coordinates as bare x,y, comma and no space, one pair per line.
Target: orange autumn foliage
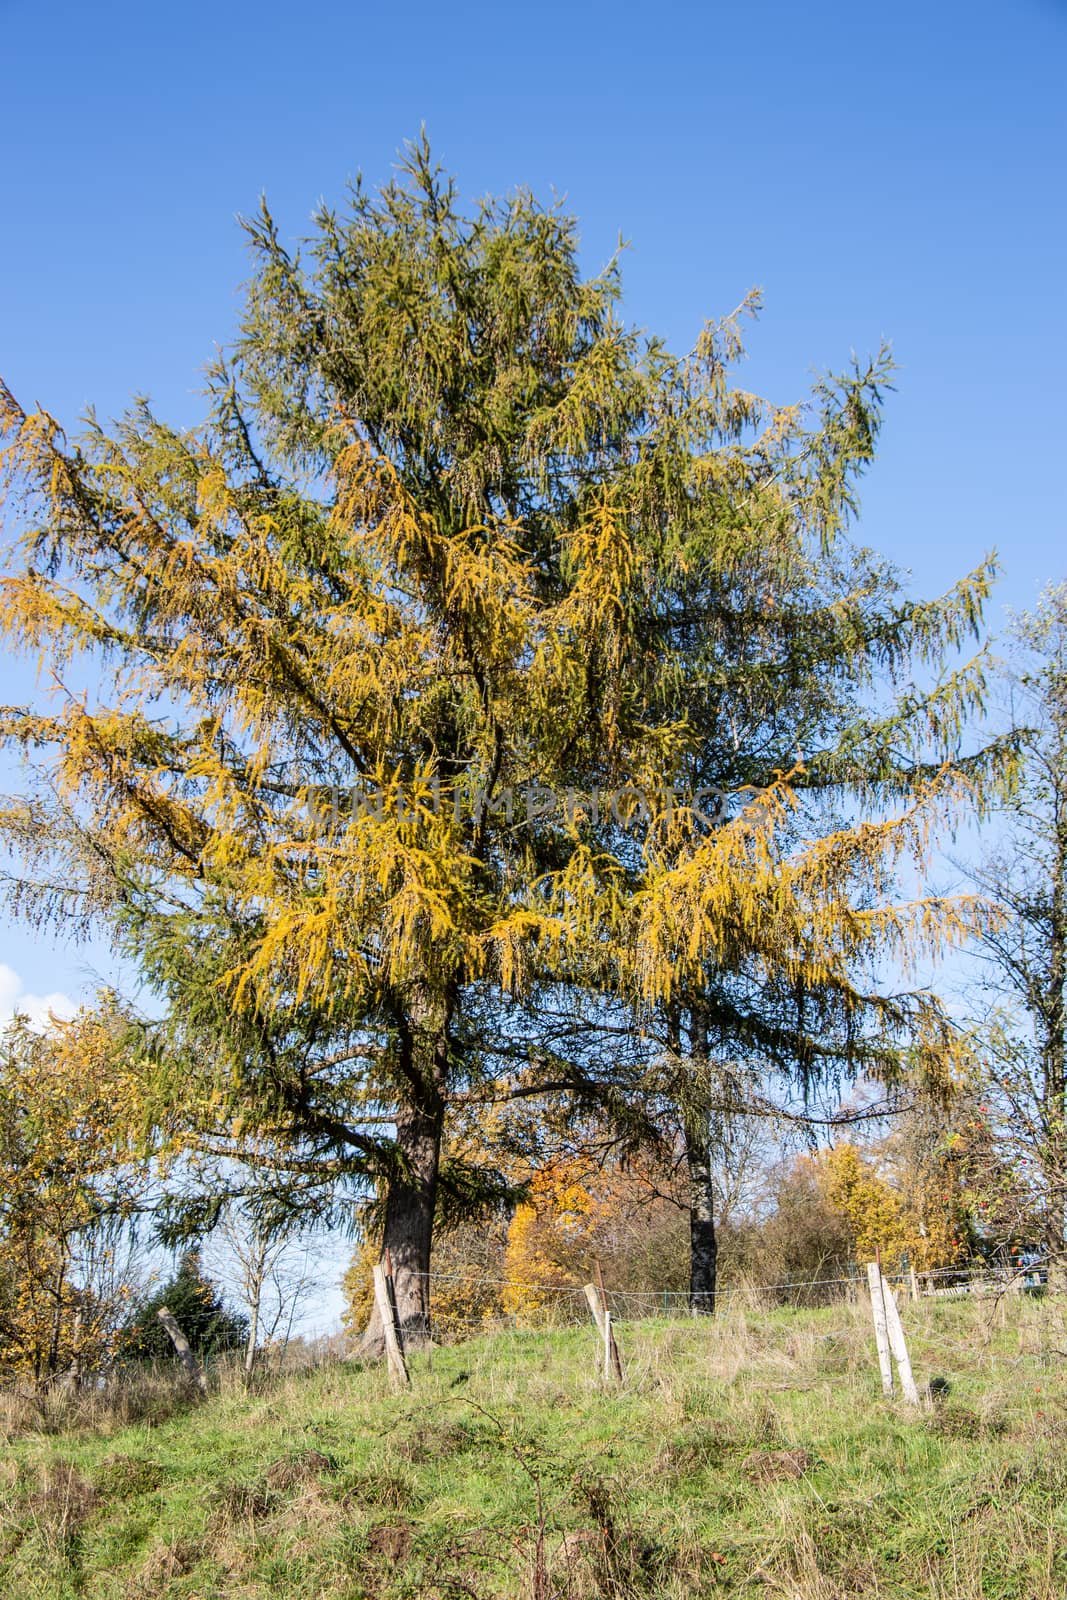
578,1213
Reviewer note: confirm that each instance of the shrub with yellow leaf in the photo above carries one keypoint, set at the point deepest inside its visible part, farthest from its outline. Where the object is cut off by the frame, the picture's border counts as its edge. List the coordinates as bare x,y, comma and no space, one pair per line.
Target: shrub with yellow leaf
71,1177
908,1205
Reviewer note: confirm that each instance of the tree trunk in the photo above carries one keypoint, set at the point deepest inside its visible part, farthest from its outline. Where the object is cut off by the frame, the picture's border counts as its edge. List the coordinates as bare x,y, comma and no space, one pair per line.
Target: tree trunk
411,1194
1056,1217
1055,1074
703,1244
254,1298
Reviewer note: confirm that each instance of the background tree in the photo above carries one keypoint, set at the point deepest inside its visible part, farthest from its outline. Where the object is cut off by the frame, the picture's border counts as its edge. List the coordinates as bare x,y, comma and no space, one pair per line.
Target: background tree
796,1240
928,1160
873,1210
1022,992
73,1180
269,1268
199,1309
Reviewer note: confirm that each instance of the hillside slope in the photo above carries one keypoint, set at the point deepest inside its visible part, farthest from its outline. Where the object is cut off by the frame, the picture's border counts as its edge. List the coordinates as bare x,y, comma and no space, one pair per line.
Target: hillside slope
752,1456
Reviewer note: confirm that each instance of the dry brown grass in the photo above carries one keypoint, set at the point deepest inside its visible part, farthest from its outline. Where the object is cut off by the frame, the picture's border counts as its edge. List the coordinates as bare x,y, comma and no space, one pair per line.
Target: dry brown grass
142,1393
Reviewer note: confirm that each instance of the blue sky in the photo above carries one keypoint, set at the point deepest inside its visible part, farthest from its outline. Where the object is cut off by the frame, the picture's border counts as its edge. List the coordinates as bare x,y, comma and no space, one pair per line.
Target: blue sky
894,170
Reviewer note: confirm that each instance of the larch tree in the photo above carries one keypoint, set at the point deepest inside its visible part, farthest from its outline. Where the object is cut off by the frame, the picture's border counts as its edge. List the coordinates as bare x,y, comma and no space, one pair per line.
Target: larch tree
748,638
409,667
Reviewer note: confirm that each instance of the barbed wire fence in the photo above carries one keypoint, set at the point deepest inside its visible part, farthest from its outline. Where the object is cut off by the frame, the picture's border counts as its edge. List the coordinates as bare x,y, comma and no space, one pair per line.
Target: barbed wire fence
539,1303
472,1303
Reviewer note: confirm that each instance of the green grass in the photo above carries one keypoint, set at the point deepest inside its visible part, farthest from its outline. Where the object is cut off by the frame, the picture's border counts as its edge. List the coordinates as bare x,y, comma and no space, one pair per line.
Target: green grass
754,1456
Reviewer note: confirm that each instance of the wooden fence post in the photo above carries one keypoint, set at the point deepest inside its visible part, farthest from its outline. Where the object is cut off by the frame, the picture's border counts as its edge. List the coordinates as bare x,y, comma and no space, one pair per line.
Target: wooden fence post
612,1359
889,1332
594,1306
394,1354
181,1345
881,1331
899,1348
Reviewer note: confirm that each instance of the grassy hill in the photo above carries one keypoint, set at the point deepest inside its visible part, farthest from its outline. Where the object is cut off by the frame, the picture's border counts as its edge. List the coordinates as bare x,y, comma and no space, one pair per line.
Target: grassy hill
754,1456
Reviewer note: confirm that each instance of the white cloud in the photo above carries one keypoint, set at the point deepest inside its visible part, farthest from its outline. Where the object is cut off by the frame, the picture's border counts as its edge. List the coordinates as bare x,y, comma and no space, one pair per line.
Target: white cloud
38,1009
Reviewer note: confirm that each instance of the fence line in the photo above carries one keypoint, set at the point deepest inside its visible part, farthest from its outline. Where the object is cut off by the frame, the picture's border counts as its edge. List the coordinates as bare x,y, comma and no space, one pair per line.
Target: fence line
964,1280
